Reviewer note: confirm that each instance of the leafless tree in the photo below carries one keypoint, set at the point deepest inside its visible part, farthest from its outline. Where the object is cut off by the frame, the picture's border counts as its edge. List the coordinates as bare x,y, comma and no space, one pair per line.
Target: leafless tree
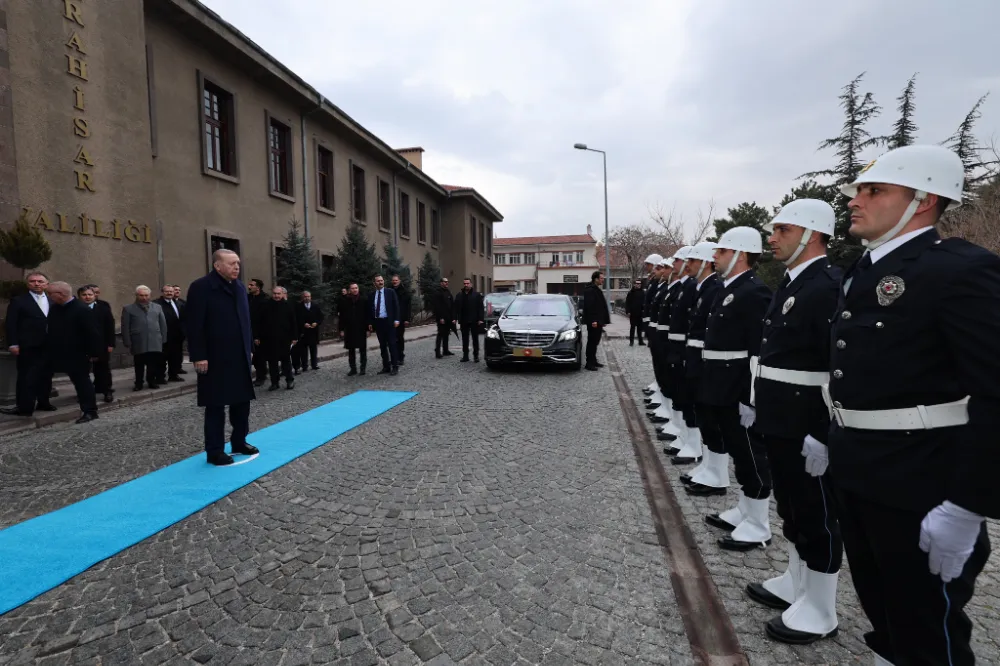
672,227
978,220
631,244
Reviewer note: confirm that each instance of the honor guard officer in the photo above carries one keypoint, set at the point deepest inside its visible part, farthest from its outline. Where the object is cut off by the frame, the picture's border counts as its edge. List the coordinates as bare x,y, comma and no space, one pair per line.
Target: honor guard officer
732,339
662,273
652,261
667,413
915,396
794,423
705,284
680,312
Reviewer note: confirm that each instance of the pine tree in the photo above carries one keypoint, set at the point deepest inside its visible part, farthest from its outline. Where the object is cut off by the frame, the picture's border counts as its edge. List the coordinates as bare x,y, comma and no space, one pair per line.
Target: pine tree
357,261
428,277
395,266
904,130
297,267
810,189
967,147
24,246
749,214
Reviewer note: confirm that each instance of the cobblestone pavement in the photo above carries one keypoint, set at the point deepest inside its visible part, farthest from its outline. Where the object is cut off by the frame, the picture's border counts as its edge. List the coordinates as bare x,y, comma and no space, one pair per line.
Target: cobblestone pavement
496,518
732,571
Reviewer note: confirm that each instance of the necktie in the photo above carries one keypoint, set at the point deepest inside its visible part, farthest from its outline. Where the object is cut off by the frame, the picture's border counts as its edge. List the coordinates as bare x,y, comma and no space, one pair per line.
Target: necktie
864,264
378,303
787,281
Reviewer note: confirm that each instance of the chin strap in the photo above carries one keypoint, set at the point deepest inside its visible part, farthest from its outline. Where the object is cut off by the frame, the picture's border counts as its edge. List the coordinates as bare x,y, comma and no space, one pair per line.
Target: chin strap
907,216
806,235
732,264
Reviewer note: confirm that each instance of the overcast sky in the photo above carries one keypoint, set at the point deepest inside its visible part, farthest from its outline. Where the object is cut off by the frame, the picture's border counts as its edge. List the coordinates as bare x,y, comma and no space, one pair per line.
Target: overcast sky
693,101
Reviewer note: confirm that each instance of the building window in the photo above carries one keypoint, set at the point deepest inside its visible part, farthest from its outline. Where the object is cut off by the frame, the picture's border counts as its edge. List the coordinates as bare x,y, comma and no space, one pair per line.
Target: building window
327,264
489,244
482,284
358,193
529,286
482,240
421,222
324,177
501,259
435,228
384,205
489,285
472,279
555,259
624,283
472,232
404,214
579,257
279,141
529,257
224,243
515,258
220,130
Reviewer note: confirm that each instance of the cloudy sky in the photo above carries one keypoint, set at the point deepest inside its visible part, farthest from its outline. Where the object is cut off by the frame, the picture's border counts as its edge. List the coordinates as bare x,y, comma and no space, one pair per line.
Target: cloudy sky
693,101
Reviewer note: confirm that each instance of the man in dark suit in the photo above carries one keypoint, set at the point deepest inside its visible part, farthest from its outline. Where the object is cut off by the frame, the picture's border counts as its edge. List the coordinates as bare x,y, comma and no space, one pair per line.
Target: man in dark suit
309,318
278,332
595,317
173,348
257,298
74,342
218,332
405,313
106,330
444,314
470,311
353,328
27,333
384,308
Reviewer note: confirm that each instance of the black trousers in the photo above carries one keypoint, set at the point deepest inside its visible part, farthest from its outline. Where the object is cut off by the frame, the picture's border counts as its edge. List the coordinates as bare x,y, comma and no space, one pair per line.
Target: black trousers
387,342
806,506
279,363
441,342
744,446
467,330
147,365
917,619
635,327
593,339
259,361
687,410
352,357
711,436
85,394
401,341
102,375
308,345
657,349
34,379
215,426
171,358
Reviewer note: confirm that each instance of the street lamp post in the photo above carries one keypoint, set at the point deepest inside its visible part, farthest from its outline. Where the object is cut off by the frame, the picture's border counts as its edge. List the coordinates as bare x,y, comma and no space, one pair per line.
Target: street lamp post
607,235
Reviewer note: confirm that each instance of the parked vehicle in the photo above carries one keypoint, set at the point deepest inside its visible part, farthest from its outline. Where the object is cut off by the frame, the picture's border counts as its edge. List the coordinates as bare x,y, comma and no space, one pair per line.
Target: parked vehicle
495,303
536,328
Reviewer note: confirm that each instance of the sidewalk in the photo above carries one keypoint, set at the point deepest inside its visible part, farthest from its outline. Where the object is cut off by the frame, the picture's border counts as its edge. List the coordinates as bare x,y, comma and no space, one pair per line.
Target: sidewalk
123,379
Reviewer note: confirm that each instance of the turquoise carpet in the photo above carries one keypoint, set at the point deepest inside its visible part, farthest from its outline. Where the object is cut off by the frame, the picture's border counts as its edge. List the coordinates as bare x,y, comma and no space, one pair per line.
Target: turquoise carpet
41,553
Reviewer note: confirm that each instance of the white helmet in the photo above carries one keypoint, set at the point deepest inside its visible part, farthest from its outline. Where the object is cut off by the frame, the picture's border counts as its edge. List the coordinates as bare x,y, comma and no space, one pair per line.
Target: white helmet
682,253
926,169
739,239
810,214
703,251
666,261
653,259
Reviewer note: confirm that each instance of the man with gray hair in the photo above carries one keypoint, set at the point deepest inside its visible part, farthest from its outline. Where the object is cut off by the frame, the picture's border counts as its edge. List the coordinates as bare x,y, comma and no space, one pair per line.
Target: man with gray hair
144,330
74,342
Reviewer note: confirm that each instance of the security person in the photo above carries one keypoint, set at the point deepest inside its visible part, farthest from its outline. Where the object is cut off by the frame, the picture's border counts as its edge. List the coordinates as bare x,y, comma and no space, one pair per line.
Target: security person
657,336
794,423
651,265
689,439
732,339
915,396
705,283
666,413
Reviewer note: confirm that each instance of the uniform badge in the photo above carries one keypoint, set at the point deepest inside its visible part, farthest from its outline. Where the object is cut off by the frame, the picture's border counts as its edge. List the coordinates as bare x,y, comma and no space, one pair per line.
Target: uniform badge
867,166
889,289
788,305
728,299
698,304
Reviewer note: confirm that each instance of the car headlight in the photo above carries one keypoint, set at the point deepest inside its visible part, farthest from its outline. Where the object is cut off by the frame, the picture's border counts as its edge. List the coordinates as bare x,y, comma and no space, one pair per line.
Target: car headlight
568,335
493,333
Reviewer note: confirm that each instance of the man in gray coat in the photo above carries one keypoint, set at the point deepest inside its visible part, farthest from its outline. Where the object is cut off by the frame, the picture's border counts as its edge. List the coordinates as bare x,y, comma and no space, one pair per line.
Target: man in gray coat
144,330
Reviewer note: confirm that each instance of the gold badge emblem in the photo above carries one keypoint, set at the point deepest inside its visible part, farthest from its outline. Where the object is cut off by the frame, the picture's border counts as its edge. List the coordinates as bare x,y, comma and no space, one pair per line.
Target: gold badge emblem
889,289
867,166
728,299
788,305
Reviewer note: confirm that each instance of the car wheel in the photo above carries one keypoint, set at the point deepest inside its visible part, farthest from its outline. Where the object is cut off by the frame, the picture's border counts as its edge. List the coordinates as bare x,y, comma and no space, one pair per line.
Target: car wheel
492,365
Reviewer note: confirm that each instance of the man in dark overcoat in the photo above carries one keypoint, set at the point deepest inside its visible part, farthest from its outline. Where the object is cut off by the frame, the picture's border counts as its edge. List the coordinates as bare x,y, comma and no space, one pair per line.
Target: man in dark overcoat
634,301
74,341
595,317
353,328
106,327
278,333
219,344
27,332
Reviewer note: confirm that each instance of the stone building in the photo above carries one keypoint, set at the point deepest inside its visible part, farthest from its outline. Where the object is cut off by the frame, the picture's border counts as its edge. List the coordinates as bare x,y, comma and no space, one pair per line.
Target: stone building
141,135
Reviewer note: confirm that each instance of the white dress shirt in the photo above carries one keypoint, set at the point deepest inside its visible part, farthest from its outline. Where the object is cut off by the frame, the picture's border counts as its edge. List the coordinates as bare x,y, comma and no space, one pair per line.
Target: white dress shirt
43,302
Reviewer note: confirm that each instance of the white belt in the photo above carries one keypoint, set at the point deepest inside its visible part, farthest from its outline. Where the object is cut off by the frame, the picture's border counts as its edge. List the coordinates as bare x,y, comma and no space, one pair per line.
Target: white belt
645,320
661,327
921,417
677,337
714,355
798,377
700,344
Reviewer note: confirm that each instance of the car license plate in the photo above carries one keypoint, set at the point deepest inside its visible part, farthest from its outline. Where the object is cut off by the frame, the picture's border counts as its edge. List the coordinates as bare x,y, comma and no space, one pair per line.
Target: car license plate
527,351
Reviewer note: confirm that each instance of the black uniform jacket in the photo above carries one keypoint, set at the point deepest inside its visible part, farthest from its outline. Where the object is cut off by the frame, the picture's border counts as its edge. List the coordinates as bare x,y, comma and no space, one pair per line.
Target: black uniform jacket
703,304
797,337
936,340
680,312
734,324
647,306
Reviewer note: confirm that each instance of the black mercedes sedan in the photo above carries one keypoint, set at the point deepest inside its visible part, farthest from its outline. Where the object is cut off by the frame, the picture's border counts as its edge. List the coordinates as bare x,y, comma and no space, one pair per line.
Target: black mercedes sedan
536,328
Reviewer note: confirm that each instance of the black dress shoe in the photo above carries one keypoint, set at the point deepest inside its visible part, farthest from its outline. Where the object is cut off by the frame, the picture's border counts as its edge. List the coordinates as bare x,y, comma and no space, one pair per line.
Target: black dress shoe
703,491
394,371
362,371
598,364
464,359
384,371
447,353
642,344
13,411
776,630
760,594
259,382
109,397
137,387
685,478
273,387
47,407
438,355
221,458
592,368
653,406
182,372
666,437
647,391
715,520
658,419
175,378
671,450
729,543
476,359
154,386
289,385
244,449
87,417
402,362
686,460
352,372
315,367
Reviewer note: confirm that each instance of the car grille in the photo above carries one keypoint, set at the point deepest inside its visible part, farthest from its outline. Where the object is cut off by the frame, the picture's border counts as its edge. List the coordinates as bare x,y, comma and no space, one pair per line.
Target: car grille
528,338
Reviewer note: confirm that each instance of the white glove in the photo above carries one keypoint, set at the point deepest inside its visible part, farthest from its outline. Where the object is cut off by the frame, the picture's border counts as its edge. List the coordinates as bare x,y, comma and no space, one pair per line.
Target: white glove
816,455
947,534
747,415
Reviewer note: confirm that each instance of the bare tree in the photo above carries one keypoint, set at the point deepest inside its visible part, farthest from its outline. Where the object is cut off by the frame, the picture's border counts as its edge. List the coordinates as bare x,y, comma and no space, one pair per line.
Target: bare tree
672,228
704,225
632,244
976,220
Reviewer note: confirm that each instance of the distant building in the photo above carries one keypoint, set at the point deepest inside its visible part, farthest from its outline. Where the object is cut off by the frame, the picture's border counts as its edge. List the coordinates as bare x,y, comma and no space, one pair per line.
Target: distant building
544,264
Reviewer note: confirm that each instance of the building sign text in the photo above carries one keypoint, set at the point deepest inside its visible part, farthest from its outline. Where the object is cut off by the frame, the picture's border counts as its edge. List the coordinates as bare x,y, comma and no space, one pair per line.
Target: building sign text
84,225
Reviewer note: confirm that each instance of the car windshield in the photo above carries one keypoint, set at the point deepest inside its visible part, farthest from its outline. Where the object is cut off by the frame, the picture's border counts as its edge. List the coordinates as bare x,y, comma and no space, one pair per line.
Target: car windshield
495,303
539,307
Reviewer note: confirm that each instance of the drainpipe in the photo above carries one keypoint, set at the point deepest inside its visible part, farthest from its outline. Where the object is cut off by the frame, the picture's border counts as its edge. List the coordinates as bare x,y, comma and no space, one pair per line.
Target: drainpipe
305,164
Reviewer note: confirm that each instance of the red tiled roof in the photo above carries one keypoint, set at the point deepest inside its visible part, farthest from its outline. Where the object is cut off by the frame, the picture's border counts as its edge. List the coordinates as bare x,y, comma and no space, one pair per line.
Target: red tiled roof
545,240
618,259
453,188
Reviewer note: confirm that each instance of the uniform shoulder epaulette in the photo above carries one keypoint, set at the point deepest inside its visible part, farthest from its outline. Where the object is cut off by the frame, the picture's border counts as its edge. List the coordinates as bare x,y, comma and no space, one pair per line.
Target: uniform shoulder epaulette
961,247
834,273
